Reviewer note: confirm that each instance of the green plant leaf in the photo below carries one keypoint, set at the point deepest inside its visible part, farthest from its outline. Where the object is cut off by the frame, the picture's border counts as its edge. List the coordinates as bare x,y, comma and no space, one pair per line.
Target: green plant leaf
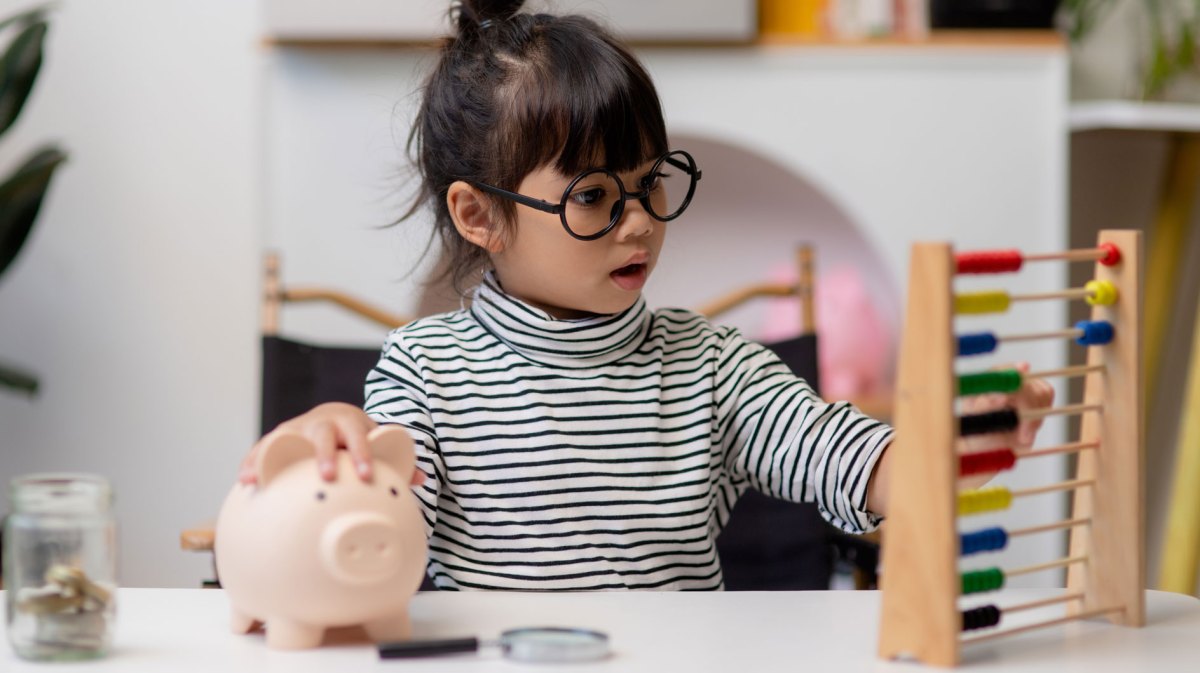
18,71
30,16
1185,57
21,197
17,380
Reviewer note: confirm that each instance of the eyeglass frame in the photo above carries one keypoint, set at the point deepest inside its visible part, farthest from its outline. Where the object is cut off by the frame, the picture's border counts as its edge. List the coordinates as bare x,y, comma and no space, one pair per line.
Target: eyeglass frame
642,197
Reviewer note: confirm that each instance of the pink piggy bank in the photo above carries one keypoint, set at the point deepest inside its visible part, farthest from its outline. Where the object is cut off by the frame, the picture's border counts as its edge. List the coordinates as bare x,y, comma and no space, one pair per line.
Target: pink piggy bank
302,555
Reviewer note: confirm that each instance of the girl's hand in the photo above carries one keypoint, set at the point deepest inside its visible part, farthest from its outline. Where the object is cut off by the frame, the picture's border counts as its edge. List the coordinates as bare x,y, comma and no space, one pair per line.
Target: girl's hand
330,426
1033,394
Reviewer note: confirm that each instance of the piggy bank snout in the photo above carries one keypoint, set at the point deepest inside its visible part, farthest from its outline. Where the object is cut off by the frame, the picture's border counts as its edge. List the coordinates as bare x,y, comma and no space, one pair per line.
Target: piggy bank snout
362,548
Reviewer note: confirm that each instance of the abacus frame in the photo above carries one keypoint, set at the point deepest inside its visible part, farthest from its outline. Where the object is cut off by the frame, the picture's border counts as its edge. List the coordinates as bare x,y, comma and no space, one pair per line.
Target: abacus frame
920,617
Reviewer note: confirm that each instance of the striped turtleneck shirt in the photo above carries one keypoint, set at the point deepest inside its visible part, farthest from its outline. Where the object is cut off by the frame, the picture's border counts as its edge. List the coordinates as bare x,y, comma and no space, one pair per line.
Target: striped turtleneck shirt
605,452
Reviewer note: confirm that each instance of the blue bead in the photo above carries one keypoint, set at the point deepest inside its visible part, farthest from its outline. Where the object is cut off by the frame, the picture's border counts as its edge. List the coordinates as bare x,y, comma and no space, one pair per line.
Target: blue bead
1095,332
987,539
976,344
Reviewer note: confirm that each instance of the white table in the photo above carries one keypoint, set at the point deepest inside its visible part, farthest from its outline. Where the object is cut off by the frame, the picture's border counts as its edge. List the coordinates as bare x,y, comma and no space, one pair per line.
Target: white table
187,630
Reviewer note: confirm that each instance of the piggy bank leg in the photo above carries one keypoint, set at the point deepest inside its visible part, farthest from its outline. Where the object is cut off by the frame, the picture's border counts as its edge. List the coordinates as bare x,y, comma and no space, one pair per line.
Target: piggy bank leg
241,622
391,628
287,634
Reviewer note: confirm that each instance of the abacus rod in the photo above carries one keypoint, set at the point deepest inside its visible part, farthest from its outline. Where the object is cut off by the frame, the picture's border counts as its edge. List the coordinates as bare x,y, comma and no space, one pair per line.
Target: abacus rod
1073,293
1042,603
1067,372
1029,627
1077,255
1075,447
1060,411
1049,565
1050,488
1059,525
1058,334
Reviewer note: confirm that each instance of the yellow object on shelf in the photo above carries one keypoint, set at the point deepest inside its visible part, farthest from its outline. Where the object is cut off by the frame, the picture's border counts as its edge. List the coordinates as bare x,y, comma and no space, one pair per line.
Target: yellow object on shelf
792,17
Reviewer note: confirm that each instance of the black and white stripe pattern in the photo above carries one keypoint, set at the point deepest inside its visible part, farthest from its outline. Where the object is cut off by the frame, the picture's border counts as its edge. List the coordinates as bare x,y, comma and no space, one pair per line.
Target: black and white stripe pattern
605,453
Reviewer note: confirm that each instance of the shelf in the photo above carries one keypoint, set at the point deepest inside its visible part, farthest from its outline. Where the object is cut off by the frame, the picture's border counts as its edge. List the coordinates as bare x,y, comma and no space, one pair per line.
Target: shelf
1128,115
941,39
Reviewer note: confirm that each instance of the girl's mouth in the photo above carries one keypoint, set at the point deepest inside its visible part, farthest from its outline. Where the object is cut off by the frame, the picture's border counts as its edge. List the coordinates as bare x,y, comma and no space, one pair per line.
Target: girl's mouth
630,277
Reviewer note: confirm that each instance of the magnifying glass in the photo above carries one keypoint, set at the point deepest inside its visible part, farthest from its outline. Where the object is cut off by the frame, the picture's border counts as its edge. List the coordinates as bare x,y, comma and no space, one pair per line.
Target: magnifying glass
543,644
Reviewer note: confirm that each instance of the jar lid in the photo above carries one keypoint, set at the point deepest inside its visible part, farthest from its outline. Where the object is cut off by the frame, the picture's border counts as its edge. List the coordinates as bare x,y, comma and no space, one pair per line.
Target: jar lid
60,493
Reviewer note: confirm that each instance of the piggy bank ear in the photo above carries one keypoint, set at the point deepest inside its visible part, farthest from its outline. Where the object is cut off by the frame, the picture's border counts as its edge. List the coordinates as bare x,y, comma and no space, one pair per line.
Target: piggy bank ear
391,444
279,451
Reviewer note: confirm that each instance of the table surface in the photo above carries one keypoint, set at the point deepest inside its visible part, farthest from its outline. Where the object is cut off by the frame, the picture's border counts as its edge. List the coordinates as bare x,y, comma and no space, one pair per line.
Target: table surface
188,629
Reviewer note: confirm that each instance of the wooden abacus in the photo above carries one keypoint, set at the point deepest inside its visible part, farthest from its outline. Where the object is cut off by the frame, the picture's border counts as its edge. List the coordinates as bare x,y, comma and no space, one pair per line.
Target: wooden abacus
921,581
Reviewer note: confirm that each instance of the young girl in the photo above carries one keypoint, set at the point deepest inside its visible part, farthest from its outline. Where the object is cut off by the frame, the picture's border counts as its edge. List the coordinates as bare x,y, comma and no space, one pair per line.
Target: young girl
569,437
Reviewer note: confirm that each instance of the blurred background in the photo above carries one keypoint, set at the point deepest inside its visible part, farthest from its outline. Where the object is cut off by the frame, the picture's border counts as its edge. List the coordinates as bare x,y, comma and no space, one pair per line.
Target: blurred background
199,136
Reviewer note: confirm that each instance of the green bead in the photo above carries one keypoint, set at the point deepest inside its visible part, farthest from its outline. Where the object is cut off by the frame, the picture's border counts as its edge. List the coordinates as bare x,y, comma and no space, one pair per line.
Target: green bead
999,381
978,581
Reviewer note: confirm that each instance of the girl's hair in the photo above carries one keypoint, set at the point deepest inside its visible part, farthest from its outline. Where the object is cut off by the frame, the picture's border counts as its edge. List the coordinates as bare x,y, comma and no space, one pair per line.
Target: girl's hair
513,92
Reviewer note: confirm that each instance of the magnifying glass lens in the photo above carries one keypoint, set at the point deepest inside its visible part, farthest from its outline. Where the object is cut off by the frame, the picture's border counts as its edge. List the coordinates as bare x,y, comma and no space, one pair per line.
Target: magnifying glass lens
554,644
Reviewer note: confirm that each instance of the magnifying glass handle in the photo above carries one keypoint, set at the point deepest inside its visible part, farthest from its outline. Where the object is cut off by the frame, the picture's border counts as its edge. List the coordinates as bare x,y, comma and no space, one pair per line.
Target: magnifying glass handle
412,649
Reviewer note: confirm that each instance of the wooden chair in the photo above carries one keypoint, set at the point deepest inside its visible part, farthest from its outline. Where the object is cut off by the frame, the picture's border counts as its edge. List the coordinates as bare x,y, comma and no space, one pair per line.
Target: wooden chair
767,544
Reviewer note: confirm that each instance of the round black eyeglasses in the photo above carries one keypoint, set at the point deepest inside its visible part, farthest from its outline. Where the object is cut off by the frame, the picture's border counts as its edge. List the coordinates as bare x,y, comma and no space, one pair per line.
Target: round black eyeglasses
594,200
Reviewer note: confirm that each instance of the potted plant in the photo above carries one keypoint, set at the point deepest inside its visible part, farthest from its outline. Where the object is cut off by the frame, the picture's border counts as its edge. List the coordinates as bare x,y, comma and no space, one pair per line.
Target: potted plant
22,191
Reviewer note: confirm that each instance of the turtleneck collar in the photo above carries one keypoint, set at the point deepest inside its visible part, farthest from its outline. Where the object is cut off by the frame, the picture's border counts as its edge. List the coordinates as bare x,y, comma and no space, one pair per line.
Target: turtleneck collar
535,334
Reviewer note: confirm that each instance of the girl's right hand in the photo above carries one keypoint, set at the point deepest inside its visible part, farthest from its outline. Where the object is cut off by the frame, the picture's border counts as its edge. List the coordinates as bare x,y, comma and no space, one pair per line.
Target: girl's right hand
330,426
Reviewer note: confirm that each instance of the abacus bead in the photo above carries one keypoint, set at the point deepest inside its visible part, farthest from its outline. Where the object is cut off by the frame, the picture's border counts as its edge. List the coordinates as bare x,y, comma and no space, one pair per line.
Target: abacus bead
988,261
977,344
981,302
1112,256
987,539
993,460
998,381
1095,332
984,500
980,618
1101,293
979,581
992,421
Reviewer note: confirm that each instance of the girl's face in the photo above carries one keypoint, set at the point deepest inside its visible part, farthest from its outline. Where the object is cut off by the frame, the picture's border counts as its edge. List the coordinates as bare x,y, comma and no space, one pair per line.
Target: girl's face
546,267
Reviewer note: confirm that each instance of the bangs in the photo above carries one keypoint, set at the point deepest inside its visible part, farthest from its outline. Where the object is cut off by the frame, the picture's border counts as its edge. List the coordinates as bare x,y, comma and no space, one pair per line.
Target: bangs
582,102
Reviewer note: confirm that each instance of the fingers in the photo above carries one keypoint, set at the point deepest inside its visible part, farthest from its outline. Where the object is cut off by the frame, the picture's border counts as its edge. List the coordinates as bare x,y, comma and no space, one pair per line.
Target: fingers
353,433
418,478
323,435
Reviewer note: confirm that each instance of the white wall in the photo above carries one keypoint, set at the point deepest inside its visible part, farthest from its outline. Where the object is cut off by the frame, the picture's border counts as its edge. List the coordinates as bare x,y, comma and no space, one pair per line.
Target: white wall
135,298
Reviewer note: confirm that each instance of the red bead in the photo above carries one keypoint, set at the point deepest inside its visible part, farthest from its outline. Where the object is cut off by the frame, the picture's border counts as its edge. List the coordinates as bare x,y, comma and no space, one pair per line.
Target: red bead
988,261
986,461
1112,256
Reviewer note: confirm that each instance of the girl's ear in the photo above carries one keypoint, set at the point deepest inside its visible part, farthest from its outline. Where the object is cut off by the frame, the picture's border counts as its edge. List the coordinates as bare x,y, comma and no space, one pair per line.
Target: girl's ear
472,216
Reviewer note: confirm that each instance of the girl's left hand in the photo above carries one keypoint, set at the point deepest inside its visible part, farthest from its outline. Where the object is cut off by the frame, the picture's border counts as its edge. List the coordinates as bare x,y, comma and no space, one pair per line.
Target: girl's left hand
1033,394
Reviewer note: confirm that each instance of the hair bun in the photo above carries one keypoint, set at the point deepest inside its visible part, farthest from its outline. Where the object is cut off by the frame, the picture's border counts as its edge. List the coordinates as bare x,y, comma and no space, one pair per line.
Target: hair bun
476,14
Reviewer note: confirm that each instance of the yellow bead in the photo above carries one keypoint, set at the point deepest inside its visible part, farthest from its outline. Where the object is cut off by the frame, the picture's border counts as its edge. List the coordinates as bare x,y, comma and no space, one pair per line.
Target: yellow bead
981,302
984,500
1101,293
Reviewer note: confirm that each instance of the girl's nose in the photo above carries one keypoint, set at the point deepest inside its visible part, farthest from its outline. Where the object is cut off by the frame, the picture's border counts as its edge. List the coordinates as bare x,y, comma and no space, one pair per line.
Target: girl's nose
635,222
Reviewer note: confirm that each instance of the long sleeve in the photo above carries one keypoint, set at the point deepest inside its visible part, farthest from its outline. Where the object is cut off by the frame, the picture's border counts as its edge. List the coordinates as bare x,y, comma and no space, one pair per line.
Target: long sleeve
395,393
784,440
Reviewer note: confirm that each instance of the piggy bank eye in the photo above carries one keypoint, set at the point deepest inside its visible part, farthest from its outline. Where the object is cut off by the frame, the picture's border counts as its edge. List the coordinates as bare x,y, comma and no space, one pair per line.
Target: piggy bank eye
395,492
320,495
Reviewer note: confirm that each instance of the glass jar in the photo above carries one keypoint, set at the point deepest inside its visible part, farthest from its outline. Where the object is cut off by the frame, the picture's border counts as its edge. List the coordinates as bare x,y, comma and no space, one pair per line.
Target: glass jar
60,567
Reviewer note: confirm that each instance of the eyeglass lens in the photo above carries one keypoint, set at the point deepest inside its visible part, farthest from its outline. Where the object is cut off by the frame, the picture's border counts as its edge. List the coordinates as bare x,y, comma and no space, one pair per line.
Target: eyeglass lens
593,201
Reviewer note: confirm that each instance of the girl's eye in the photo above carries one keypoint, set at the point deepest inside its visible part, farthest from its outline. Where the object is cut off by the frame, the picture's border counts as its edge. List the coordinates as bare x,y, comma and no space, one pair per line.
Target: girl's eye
653,181
587,197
